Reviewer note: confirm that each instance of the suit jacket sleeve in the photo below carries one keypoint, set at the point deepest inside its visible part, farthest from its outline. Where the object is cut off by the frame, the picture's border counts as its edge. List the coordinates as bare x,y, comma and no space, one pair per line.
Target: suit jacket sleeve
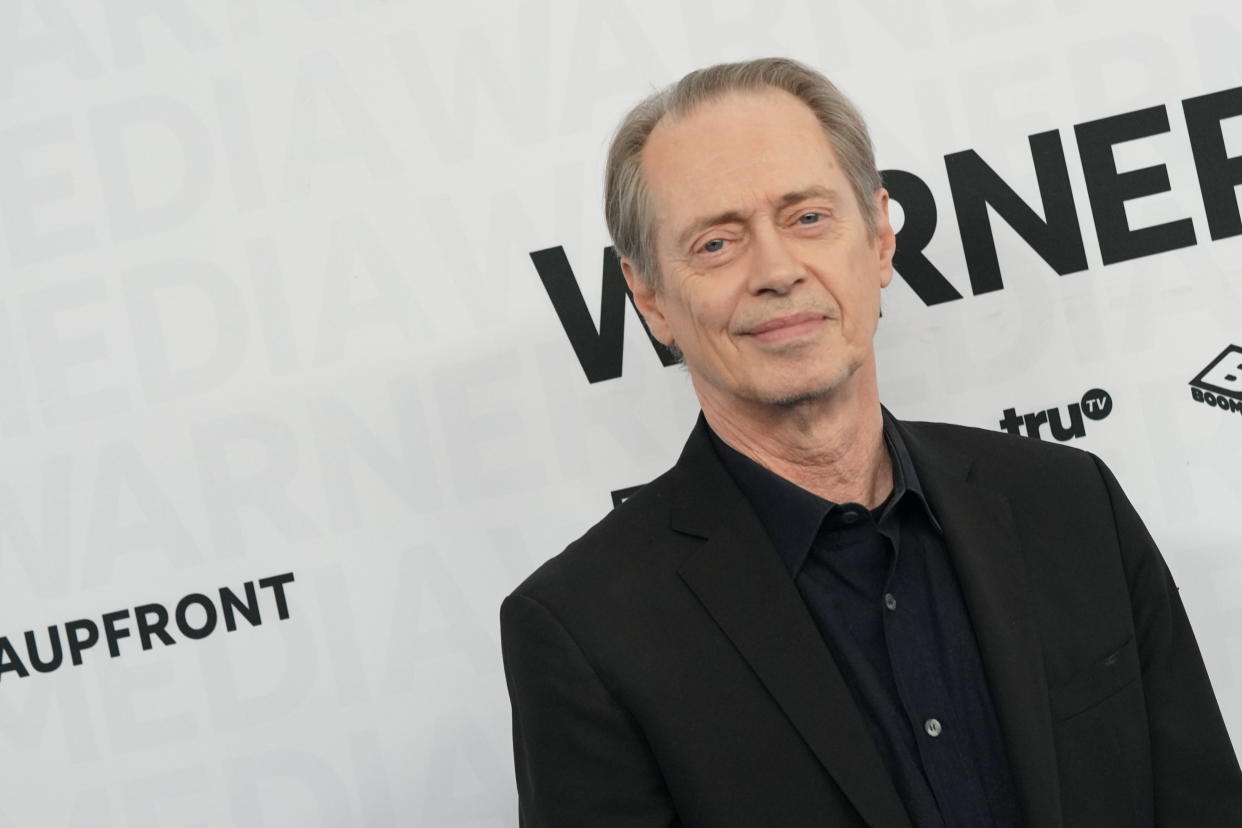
581,758
1196,777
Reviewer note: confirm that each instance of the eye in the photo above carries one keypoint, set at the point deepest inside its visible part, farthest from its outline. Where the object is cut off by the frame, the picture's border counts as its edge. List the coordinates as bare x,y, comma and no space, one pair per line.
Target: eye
809,218
713,246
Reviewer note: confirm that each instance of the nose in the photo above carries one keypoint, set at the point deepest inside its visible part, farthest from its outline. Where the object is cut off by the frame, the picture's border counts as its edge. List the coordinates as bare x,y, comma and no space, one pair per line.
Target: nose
774,267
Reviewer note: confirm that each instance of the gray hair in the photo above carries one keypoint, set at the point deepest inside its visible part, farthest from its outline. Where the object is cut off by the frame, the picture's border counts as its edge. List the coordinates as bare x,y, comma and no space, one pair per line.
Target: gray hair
627,208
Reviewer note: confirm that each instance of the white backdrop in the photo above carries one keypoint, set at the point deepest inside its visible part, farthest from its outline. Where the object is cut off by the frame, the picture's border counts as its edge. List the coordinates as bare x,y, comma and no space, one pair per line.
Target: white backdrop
268,307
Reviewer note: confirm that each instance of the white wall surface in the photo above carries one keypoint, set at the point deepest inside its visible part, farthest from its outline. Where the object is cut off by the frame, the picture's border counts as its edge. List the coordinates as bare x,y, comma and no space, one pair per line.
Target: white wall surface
268,306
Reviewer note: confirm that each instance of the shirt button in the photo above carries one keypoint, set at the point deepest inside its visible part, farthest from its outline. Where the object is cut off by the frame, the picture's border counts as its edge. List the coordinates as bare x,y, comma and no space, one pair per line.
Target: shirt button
932,726
849,516
890,601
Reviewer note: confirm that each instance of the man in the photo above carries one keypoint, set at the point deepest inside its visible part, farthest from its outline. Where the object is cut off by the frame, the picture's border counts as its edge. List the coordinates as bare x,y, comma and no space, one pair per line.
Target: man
822,616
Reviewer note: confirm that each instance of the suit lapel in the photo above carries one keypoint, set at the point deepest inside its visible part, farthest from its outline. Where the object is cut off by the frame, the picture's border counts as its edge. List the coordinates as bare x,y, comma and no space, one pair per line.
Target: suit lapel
984,548
740,581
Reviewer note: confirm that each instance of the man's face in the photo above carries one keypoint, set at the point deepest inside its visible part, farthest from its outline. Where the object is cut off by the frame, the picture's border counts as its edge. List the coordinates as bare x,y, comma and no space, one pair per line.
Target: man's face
770,284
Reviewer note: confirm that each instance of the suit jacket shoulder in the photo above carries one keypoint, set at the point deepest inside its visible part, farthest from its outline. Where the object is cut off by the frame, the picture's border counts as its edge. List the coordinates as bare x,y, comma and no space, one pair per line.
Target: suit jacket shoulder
622,547
1045,484
996,451
632,543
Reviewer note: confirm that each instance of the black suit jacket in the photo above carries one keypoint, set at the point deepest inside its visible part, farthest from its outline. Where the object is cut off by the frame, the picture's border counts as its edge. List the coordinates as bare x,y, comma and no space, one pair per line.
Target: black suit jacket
664,670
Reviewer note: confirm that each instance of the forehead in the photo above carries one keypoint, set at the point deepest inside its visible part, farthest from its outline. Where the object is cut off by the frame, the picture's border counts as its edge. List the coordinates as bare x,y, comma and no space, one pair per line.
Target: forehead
734,152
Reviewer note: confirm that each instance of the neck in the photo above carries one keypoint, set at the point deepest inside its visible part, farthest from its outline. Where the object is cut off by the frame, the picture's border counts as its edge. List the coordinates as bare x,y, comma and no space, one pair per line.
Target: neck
832,446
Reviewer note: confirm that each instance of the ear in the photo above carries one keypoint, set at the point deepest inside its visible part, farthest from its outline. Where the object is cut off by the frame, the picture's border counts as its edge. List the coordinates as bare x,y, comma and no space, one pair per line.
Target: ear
885,238
648,301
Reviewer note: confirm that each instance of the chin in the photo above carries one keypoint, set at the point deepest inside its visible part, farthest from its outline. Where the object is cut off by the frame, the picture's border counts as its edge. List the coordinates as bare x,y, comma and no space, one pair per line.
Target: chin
804,390
795,398
793,395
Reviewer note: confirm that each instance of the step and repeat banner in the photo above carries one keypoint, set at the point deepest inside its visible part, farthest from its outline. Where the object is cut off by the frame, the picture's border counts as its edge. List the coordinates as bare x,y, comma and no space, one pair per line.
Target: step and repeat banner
311,348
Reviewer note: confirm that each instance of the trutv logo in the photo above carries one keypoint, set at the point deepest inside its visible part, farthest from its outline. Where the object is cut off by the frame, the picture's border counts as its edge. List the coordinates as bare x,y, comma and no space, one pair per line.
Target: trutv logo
1096,404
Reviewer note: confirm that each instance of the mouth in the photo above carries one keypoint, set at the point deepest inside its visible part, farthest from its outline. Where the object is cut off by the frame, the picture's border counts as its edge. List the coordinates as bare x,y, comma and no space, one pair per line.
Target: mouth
787,327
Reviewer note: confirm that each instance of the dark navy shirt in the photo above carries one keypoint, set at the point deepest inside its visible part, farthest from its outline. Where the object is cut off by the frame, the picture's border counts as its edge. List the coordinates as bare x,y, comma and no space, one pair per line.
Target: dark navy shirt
882,590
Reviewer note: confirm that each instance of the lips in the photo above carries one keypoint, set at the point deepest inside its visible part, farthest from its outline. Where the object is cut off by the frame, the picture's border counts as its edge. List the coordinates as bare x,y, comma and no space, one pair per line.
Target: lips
783,327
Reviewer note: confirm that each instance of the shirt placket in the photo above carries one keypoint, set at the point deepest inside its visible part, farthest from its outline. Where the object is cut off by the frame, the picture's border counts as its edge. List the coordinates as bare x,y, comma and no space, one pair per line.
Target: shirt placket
923,689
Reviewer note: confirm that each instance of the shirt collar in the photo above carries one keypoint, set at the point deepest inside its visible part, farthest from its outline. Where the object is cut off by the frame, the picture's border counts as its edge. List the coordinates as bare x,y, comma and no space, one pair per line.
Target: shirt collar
905,478
792,516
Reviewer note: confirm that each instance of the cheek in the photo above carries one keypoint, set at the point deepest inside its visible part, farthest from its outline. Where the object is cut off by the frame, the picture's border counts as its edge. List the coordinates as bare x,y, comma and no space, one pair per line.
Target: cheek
866,281
866,306
705,312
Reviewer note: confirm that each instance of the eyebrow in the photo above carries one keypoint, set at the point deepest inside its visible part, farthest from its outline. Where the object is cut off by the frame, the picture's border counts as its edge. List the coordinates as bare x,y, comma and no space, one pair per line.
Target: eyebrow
737,216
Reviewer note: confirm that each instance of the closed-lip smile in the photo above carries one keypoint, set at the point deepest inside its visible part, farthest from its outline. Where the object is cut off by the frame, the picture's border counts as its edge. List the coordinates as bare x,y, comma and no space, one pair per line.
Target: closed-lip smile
782,327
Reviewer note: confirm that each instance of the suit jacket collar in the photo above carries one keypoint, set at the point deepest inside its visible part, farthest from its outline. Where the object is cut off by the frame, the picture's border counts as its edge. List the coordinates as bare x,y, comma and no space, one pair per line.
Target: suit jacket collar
742,584
985,549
